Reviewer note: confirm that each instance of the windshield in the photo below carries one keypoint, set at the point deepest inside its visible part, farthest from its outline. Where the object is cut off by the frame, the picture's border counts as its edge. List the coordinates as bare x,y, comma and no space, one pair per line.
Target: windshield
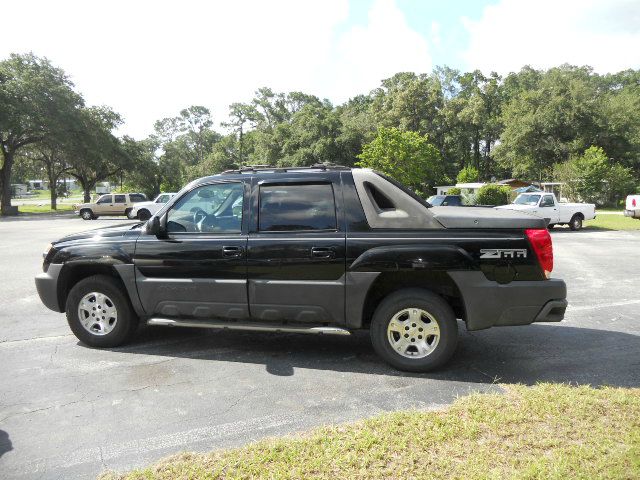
436,200
527,199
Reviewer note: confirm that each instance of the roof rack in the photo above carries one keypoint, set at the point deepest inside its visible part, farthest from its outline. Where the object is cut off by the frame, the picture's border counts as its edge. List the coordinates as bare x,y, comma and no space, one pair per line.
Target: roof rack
267,168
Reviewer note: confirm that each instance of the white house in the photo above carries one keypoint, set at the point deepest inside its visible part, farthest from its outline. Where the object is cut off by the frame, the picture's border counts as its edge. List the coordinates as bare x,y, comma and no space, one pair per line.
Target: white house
466,188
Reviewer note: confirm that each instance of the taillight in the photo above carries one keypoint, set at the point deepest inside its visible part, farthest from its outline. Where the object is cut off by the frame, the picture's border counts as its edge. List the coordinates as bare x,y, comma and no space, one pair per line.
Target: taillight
633,202
541,242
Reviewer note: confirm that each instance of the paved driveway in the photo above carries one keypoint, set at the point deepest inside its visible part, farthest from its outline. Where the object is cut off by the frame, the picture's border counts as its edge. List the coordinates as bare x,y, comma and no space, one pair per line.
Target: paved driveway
67,411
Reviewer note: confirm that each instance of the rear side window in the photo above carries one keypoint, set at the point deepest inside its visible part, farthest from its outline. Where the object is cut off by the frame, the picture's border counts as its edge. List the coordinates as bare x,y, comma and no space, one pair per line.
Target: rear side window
297,207
120,199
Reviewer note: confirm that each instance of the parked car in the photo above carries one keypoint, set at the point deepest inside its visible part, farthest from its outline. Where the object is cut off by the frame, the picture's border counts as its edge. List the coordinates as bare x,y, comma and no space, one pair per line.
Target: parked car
112,204
545,205
445,200
632,207
144,210
322,250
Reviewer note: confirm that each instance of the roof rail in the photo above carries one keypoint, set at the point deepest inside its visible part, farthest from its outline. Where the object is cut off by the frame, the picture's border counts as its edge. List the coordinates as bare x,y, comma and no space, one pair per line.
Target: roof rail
267,168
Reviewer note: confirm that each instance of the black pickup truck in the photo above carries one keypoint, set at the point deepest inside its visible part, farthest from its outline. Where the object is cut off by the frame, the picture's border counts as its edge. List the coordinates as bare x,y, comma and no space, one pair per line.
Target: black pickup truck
325,250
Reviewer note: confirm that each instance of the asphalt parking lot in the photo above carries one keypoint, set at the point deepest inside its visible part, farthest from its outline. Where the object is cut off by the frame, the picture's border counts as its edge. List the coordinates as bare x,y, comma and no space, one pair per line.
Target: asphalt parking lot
68,411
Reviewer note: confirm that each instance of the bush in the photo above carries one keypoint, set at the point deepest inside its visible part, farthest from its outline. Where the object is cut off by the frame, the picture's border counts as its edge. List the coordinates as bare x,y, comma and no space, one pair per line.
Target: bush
454,191
468,175
493,195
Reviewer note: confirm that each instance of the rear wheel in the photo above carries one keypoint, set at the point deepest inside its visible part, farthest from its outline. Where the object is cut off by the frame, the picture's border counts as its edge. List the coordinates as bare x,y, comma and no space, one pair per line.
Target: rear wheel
144,215
576,222
99,312
551,225
127,212
86,214
414,330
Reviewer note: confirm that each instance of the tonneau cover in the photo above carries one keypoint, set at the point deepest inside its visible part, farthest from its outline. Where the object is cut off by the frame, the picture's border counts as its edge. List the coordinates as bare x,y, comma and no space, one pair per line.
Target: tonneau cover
482,217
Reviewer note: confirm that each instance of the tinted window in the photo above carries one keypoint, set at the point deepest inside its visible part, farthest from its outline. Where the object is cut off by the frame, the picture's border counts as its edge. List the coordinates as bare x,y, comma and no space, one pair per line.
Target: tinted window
137,197
105,199
547,201
453,201
297,207
436,200
120,199
215,208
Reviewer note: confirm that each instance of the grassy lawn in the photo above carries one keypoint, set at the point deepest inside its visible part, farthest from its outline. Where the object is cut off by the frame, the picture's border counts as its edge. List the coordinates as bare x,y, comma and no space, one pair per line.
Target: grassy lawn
549,431
605,221
62,207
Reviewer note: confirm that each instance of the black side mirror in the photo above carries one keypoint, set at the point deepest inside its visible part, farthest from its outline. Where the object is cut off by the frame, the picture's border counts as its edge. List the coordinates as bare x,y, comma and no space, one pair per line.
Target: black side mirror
156,226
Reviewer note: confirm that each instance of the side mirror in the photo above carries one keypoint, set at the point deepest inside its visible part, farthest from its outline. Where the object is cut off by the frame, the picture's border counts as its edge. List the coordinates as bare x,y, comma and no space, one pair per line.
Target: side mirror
156,226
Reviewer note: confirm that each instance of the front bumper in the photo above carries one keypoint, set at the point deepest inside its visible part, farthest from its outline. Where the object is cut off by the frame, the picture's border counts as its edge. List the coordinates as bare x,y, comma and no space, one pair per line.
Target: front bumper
632,213
488,304
47,286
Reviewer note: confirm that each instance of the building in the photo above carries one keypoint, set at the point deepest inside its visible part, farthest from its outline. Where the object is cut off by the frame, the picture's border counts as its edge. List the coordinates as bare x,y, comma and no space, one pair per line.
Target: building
472,188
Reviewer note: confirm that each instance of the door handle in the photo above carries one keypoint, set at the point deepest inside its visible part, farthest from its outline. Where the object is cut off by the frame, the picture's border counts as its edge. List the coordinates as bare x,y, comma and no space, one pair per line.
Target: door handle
232,252
323,252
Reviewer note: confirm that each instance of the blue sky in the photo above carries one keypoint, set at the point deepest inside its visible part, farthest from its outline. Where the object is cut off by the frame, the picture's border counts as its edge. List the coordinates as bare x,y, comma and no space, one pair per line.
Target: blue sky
148,59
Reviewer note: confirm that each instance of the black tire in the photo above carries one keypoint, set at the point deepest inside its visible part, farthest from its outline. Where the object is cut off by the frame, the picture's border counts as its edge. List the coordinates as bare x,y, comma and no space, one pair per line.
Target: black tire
428,302
144,215
126,322
127,212
551,225
87,214
576,222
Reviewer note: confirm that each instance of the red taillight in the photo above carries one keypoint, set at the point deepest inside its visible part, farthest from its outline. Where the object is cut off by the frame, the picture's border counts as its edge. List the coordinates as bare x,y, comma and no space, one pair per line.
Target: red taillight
633,202
541,243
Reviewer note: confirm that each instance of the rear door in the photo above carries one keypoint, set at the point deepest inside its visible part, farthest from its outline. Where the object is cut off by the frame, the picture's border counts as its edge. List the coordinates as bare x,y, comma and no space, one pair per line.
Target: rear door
296,250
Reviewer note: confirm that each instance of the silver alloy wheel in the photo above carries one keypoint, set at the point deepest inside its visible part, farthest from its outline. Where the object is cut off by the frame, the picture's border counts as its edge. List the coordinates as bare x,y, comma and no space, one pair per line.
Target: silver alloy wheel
97,313
413,333
86,214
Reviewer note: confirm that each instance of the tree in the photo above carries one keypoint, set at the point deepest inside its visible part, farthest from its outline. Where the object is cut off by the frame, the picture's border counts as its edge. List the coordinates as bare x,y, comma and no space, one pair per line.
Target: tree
590,177
406,156
96,153
493,195
468,175
37,102
240,115
52,155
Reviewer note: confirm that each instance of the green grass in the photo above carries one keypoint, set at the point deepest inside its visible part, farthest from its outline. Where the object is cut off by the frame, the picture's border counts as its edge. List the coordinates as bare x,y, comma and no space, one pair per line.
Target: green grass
62,207
605,221
549,431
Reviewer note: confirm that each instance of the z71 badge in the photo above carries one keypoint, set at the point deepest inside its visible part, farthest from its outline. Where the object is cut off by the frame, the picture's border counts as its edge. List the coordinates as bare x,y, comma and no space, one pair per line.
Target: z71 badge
500,253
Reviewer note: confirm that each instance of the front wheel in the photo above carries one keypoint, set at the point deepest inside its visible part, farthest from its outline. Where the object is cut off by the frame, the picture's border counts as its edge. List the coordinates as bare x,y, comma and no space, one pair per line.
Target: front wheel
414,330
99,312
86,214
144,215
576,222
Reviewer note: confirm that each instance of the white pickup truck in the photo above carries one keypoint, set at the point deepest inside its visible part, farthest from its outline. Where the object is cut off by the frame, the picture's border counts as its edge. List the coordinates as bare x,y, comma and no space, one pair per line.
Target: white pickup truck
546,205
632,208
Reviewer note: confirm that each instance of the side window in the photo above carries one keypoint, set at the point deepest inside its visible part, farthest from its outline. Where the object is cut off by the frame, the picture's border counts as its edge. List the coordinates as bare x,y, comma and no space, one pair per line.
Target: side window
547,201
297,207
163,199
215,208
137,197
120,199
105,199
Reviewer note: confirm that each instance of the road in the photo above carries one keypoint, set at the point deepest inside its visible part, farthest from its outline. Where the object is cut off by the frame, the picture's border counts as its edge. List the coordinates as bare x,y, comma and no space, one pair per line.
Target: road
68,411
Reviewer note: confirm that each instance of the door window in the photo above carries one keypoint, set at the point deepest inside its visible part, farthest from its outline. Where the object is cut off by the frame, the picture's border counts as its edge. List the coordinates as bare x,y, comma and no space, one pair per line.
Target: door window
162,199
104,199
297,207
547,201
120,199
215,208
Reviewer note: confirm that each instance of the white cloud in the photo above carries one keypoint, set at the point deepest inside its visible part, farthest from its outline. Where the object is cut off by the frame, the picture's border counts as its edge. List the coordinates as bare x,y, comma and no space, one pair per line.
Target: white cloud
543,33
149,59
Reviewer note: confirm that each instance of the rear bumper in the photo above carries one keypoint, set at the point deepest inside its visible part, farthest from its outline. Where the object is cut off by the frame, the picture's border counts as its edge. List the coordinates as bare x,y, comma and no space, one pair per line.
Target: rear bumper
632,213
488,304
47,286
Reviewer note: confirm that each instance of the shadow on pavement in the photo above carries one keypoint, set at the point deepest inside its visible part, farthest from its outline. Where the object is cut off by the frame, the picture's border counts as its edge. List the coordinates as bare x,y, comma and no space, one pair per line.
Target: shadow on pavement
527,355
5,443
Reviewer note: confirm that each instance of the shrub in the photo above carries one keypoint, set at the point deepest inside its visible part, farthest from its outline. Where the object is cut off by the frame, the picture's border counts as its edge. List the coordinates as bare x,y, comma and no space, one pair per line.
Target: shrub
493,195
454,191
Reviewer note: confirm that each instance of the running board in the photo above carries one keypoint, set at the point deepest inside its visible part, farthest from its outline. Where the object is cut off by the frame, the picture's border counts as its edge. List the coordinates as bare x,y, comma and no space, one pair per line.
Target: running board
170,322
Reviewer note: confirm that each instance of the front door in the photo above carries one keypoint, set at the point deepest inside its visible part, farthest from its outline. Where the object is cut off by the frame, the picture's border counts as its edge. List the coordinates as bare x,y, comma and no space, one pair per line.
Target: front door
104,205
296,252
199,271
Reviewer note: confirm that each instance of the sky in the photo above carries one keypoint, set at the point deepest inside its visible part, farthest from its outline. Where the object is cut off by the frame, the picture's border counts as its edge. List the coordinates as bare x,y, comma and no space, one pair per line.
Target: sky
150,59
